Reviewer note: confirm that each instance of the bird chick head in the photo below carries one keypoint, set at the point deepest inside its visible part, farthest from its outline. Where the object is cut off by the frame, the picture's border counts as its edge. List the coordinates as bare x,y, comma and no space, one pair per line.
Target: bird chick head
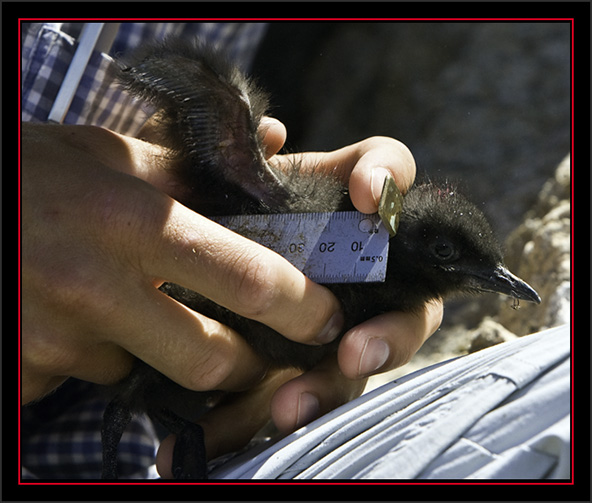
446,242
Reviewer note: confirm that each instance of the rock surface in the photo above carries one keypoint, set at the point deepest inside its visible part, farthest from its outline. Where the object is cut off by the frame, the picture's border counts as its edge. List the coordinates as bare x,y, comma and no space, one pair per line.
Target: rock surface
539,250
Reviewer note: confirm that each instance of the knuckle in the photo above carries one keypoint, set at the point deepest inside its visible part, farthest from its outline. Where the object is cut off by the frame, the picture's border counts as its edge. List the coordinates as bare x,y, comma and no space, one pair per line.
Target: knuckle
255,289
210,372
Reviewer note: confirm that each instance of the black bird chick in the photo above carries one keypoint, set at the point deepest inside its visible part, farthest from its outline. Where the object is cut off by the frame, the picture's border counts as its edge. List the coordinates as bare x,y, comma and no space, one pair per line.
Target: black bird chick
207,114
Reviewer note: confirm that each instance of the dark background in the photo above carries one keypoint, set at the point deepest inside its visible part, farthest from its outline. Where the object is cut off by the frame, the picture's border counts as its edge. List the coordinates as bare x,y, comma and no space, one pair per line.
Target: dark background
483,103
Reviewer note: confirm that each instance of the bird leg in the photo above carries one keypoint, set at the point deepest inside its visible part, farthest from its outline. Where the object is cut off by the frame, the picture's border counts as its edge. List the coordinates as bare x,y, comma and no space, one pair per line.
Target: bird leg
115,419
189,454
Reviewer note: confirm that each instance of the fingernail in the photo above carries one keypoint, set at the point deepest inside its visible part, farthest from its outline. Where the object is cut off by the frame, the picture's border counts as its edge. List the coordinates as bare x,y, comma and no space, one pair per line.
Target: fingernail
374,355
332,329
377,182
309,408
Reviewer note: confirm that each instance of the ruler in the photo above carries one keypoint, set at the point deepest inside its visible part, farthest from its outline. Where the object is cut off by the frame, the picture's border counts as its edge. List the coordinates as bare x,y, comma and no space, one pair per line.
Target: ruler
340,247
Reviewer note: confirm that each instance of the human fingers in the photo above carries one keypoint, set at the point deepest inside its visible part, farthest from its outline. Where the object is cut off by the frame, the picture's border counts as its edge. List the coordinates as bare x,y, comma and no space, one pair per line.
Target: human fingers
203,256
94,243
312,394
379,157
93,337
183,247
387,341
363,166
87,303
244,277
273,135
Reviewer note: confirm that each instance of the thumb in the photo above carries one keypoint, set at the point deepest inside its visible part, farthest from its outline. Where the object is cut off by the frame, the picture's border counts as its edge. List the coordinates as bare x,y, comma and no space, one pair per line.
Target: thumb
273,135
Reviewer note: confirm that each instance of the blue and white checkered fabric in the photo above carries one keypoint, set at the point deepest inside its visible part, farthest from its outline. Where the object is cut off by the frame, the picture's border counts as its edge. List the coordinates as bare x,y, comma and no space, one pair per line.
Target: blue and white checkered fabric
48,49
60,436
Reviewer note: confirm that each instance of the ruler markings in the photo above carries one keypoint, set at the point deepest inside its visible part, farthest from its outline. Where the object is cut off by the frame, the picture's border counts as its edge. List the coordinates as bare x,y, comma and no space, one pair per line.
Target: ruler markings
340,247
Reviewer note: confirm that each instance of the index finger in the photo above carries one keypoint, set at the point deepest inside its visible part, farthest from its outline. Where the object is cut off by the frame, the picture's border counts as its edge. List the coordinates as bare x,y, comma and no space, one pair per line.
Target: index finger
242,276
194,252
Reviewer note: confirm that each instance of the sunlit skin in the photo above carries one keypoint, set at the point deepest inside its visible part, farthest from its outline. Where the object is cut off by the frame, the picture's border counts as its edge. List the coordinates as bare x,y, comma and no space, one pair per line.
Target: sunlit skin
100,227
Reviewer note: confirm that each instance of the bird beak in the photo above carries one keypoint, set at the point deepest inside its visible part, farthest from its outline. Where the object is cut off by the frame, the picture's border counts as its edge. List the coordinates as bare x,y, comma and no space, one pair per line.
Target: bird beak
503,281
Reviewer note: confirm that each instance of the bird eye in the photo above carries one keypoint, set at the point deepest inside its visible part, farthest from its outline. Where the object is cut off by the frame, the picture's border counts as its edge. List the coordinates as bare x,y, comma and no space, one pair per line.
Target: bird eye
444,250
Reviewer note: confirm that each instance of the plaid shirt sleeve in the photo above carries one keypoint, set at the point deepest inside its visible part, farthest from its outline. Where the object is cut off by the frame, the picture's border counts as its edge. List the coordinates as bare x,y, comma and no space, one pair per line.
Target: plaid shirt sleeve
48,49
60,436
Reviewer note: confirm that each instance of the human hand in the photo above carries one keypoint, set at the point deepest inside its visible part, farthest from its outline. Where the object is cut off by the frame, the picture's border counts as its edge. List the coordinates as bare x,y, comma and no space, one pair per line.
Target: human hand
97,241
377,345
382,343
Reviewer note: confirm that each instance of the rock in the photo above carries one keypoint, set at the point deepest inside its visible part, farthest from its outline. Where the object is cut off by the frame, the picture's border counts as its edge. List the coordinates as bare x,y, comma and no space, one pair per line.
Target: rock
539,251
489,333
